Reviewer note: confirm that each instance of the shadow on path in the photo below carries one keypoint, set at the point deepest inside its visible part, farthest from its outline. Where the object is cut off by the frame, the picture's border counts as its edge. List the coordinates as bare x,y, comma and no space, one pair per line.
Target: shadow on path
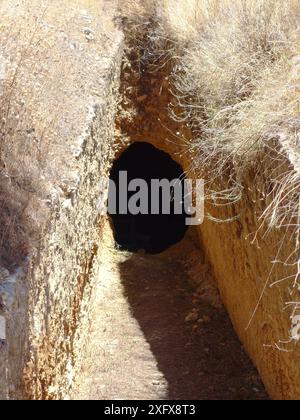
200,356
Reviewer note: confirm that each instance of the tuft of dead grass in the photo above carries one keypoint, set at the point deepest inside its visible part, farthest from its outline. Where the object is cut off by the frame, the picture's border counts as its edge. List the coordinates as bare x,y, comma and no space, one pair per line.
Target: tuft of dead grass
236,74
237,83
48,78
236,80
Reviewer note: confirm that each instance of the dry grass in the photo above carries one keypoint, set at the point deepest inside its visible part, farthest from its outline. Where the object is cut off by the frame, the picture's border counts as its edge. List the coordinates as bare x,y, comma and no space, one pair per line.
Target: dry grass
48,77
21,150
236,79
238,85
237,67
236,73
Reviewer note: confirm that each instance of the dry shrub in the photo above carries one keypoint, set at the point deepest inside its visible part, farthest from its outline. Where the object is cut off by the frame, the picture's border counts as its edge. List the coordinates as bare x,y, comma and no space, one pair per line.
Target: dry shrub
20,149
237,84
227,68
236,78
236,74
48,75
136,10
183,22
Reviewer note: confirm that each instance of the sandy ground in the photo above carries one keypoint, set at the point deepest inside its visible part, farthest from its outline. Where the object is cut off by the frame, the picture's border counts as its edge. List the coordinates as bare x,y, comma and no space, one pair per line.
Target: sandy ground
155,336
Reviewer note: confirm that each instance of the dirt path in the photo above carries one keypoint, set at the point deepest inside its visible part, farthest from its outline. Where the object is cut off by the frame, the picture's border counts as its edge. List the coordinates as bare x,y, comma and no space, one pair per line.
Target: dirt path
154,337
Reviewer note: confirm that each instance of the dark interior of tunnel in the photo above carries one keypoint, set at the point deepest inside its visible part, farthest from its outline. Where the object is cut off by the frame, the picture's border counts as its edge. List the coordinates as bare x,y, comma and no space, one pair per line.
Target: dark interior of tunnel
152,233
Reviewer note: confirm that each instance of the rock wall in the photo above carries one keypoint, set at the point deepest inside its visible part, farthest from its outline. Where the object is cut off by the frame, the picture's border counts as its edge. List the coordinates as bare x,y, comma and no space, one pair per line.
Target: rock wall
45,301
253,267
247,256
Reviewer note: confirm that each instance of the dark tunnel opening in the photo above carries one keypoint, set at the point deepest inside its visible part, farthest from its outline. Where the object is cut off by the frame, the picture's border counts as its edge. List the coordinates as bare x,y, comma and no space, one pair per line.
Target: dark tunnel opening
151,231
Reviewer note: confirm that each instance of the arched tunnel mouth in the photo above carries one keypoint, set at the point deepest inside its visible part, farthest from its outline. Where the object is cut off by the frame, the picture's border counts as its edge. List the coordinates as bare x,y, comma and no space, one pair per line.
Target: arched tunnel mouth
158,222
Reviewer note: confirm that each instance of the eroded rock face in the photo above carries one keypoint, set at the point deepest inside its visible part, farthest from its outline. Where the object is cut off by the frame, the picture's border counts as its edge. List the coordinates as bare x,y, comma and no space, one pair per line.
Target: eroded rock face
67,88
256,285
246,256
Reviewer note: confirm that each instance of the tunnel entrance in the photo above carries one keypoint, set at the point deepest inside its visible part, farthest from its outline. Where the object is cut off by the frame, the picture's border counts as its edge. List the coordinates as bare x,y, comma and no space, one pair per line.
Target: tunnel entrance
148,230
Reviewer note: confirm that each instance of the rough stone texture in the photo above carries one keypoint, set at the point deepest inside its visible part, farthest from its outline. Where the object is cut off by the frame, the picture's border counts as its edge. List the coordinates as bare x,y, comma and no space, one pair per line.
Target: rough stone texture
71,93
66,58
242,266
243,254
154,335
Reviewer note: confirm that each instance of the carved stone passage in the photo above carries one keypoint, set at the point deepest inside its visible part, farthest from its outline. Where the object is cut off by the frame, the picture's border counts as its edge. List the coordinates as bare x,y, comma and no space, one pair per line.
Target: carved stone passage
151,232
